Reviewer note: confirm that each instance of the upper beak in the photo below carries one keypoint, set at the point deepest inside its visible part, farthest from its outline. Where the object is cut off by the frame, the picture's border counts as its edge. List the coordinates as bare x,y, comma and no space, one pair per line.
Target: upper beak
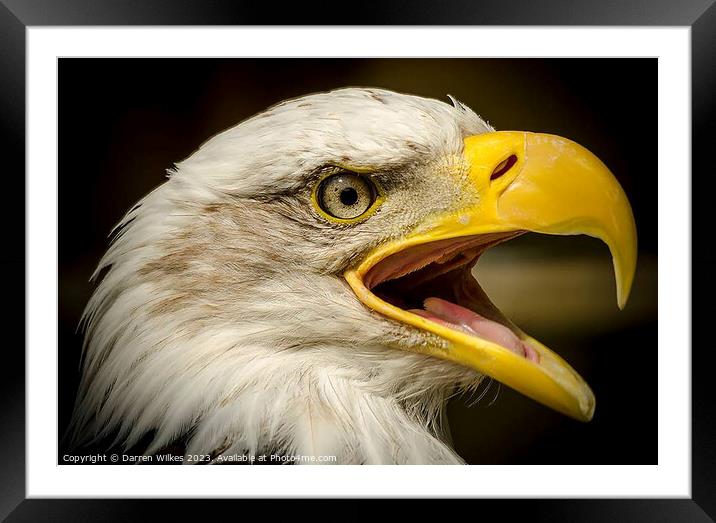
555,186
525,182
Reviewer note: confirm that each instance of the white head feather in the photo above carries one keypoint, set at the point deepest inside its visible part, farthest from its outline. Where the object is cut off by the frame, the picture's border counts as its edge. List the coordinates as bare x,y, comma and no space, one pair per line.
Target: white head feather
221,317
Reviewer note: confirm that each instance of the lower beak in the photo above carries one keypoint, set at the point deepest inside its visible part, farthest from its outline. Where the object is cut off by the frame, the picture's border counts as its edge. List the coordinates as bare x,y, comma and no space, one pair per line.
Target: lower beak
524,182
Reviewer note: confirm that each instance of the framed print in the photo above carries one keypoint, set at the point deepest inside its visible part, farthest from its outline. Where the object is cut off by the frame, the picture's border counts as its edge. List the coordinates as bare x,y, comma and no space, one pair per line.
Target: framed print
519,276
326,244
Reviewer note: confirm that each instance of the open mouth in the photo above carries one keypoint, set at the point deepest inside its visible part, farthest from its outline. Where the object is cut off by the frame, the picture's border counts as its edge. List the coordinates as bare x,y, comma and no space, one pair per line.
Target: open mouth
429,285
549,185
435,281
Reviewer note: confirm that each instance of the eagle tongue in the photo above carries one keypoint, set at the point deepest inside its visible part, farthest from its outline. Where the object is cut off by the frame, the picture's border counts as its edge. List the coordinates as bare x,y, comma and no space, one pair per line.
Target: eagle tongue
445,312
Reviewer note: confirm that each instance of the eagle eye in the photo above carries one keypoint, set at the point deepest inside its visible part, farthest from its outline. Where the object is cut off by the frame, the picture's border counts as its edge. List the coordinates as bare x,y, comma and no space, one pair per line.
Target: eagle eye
346,195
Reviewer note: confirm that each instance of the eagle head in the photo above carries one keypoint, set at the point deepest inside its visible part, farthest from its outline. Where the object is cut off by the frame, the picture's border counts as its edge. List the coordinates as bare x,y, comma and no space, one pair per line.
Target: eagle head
302,284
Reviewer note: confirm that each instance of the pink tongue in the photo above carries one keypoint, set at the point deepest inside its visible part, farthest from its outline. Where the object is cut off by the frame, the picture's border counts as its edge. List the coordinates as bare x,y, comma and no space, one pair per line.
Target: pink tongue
452,315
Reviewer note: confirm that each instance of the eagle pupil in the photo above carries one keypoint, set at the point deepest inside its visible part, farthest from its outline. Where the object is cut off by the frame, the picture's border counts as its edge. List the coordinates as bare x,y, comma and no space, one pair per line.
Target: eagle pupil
349,196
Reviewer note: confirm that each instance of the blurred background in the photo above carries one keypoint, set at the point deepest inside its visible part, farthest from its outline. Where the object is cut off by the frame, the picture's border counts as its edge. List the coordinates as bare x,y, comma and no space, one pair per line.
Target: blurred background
123,122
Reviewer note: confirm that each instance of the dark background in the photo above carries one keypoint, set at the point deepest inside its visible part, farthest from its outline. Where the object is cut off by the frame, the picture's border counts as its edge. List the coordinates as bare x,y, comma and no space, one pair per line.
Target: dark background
123,122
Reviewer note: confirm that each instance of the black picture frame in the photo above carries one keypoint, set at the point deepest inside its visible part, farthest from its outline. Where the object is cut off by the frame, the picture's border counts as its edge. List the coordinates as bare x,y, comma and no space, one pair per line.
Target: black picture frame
17,15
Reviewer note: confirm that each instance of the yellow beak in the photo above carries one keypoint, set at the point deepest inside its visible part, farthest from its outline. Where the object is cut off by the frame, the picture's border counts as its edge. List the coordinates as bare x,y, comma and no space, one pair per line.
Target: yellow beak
524,182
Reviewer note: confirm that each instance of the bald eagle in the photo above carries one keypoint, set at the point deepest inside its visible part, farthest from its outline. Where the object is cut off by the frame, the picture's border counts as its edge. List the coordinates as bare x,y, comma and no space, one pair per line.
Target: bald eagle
302,283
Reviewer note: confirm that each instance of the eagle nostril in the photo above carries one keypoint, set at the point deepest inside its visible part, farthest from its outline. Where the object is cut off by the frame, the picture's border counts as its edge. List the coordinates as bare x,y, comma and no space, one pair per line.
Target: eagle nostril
503,167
